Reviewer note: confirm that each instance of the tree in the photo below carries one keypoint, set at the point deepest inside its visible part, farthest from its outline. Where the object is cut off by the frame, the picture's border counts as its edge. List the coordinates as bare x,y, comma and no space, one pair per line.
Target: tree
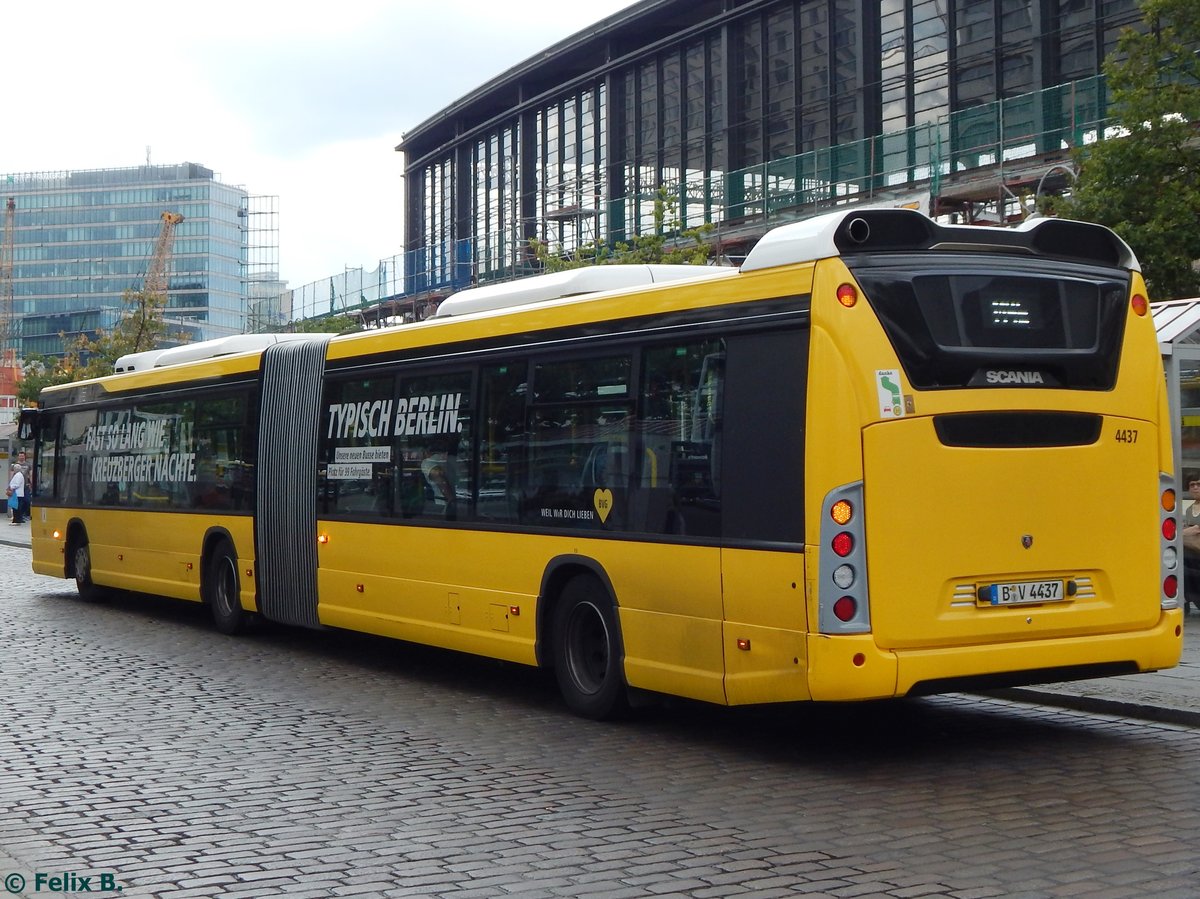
688,247
326,324
141,328
1143,180
38,372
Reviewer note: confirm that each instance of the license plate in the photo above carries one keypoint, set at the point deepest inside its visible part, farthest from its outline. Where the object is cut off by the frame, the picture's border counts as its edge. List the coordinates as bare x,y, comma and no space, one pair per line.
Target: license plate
1022,592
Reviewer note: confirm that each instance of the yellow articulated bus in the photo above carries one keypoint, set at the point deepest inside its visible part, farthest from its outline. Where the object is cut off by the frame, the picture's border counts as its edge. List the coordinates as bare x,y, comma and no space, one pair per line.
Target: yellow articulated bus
883,457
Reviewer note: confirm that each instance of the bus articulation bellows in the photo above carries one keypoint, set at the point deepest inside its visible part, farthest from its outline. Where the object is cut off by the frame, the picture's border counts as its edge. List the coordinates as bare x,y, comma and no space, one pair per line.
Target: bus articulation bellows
882,457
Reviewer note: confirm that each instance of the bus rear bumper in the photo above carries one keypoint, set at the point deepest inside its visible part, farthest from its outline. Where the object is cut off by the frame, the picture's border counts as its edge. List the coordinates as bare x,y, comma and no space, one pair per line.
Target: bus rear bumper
1043,661
851,668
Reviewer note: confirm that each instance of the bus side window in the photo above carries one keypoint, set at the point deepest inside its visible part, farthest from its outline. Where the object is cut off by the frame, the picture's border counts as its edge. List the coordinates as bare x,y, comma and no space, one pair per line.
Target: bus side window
355,458
45,482
223,474
679,426
501,455
580,429
762,435
75,464
433,440
170,429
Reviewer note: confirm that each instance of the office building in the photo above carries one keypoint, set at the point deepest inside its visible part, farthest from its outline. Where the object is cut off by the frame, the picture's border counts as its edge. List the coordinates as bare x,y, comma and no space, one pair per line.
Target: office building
753,112
80,239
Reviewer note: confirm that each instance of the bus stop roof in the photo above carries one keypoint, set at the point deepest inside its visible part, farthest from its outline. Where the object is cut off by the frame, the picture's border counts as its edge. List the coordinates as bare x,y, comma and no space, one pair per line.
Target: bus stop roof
1176,321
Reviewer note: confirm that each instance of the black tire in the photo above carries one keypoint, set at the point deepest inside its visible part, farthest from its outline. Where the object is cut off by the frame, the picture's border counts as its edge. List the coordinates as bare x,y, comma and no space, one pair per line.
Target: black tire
81,566
587,651
222,590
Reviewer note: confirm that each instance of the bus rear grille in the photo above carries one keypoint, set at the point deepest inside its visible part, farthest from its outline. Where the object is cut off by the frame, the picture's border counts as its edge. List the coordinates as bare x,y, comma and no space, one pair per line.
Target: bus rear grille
1017,429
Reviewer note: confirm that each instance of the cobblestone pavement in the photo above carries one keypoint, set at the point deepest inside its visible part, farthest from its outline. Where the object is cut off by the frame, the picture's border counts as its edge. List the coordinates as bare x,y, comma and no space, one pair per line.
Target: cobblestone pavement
139,745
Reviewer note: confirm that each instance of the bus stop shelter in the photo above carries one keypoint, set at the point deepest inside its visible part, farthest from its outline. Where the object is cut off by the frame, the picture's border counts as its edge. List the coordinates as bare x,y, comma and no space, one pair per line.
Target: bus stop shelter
9,444
1178,325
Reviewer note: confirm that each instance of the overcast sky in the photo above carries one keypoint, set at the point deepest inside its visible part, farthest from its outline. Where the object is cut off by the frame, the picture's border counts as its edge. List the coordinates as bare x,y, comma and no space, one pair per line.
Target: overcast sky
302,100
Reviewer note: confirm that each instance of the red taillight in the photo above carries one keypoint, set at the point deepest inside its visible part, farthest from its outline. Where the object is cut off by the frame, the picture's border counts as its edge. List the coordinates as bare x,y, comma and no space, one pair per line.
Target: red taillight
841,511
847,295
1140,306
1169,528
843,543
1170,587
845,608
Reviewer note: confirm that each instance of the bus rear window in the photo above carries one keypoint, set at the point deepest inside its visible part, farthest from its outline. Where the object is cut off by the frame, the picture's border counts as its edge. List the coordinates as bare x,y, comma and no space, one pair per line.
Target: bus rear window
955,328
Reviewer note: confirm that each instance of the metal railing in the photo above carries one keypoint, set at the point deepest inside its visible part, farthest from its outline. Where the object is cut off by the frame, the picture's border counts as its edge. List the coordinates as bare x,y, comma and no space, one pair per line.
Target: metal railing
1053,120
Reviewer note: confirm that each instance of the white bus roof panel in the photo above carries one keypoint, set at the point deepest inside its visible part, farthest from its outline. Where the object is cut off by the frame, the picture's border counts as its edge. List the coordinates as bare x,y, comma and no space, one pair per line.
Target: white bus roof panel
205,349
867,229
573,282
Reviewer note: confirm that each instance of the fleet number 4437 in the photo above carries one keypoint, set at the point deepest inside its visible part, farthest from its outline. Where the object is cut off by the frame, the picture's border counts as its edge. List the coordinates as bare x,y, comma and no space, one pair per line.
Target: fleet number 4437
1126,435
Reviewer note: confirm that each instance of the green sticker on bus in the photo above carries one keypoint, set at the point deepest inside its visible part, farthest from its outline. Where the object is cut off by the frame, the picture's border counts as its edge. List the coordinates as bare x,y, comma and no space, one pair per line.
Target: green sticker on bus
891,404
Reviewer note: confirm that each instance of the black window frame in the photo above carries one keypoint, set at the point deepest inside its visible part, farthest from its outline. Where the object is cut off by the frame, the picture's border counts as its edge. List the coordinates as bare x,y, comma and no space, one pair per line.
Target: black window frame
773,518
69,482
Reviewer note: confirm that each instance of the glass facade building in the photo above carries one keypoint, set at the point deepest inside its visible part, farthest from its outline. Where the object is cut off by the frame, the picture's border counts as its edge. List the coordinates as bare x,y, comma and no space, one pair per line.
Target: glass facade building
81,239
740,108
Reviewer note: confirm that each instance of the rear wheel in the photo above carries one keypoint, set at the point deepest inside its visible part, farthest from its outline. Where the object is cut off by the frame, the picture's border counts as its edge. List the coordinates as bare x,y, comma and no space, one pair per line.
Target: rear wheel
587,651
223,587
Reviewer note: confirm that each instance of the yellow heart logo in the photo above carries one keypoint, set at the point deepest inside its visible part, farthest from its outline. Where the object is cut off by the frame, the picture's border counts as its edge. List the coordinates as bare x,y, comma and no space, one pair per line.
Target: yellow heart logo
603,501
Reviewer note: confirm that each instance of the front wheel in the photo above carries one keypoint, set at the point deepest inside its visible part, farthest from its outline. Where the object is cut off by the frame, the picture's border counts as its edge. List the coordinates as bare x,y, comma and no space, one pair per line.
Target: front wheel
81,564
222,586
587,651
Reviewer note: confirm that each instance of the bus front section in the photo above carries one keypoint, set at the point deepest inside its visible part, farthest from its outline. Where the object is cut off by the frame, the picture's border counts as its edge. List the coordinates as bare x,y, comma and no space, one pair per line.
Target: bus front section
989,440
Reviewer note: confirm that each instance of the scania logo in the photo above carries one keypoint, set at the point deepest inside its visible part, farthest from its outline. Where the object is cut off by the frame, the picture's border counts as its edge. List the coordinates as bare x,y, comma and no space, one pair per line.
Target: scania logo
1000,376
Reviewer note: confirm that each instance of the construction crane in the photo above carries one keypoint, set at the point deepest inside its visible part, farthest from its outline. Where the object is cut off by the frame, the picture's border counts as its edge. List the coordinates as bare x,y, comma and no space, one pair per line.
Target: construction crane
156,275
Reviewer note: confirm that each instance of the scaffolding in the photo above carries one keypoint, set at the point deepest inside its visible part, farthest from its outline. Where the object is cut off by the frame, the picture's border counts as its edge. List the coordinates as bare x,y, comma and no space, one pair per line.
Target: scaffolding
7,310
258,221
10,364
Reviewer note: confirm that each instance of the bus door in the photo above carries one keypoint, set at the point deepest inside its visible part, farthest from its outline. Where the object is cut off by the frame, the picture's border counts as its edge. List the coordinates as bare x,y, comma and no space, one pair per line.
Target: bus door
761,429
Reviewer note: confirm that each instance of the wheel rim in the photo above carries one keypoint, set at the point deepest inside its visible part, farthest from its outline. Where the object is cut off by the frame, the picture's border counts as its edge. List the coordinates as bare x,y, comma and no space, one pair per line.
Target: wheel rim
83,565
225,587
587,648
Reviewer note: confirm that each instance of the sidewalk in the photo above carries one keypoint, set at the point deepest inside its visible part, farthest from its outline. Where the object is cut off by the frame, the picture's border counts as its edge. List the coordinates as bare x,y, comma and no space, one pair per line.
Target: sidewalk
1172,696
15,534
